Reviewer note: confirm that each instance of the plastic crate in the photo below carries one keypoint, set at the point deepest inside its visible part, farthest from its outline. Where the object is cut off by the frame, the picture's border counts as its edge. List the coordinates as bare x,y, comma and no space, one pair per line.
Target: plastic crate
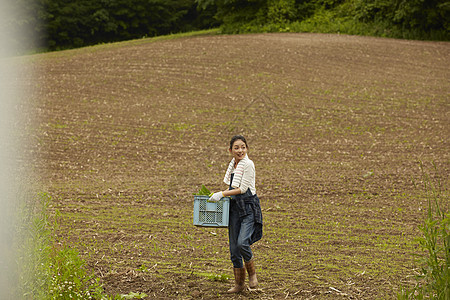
211,214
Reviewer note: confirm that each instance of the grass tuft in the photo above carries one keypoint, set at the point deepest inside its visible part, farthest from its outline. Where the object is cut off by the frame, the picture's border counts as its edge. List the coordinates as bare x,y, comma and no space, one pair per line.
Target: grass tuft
433,280
48,270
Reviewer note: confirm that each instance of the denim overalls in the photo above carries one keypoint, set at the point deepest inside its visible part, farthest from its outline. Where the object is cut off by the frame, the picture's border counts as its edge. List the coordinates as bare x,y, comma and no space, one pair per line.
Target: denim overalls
244,226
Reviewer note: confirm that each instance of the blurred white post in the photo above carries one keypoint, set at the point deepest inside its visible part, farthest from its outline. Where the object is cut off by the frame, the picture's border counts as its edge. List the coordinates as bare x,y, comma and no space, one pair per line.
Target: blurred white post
11,153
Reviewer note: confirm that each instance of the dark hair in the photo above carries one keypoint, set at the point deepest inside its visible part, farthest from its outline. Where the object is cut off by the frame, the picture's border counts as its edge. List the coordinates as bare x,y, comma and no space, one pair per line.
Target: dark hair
238,137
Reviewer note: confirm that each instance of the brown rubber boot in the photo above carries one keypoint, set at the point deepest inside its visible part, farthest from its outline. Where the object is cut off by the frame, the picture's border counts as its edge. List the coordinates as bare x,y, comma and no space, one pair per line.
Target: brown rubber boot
239,279
252,281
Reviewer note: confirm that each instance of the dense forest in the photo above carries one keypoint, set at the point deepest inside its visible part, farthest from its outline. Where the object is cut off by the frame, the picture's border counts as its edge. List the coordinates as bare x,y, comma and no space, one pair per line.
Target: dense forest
62,24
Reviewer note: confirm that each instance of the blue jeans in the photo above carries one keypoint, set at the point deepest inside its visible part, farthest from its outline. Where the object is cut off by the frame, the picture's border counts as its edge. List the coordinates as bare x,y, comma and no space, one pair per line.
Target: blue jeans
240,231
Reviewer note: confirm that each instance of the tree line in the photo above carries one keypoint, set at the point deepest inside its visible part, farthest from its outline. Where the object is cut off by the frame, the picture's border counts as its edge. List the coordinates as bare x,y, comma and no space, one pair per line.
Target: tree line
62,24
415,19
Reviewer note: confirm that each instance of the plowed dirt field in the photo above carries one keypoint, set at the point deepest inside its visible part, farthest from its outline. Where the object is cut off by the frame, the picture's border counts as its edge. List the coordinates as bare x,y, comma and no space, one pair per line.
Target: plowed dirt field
336,127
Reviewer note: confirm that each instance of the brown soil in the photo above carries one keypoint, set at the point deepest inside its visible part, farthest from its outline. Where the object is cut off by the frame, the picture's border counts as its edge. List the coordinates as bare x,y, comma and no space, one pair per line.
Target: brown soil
336,127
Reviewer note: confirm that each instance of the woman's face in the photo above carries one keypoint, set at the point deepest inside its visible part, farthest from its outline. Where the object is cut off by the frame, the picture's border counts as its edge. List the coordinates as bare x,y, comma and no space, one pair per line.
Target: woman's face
239,150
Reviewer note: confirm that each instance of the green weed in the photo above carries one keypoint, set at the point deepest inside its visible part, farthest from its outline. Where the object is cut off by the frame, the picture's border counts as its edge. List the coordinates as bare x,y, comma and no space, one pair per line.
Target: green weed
433,280
47,269
215,277
132,295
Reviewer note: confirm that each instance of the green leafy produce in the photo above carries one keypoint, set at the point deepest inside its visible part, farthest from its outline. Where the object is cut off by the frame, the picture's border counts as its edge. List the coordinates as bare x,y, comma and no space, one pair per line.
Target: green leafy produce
203,191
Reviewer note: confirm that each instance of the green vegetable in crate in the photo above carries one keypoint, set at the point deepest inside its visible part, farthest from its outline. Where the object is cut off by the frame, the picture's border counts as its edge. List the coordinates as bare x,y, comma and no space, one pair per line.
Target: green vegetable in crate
203,191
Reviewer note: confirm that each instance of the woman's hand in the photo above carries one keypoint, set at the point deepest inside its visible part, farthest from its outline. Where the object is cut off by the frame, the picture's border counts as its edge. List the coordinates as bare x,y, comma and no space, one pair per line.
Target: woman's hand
215,197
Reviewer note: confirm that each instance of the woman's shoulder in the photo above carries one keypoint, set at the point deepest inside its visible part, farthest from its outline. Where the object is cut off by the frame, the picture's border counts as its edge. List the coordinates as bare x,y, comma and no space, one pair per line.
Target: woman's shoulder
249,163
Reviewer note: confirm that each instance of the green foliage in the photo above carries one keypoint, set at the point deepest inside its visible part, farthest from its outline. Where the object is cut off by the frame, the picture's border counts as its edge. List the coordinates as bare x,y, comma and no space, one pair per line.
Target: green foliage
433,281
69,278
218,277
418,19
33,248
48,270
60,24
85,22
402,19
412,14
281,12
203,191
132,295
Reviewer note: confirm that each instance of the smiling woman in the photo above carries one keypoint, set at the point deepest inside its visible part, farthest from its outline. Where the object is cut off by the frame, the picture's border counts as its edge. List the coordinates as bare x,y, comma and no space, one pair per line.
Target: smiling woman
245,220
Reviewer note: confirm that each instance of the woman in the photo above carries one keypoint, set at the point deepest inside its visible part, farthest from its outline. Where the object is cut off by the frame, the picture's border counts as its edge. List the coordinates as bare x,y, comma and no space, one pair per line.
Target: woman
245,222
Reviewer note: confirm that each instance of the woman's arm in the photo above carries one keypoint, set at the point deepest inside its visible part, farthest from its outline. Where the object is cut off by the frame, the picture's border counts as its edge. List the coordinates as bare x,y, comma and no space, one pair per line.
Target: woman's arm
232,192
248,180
